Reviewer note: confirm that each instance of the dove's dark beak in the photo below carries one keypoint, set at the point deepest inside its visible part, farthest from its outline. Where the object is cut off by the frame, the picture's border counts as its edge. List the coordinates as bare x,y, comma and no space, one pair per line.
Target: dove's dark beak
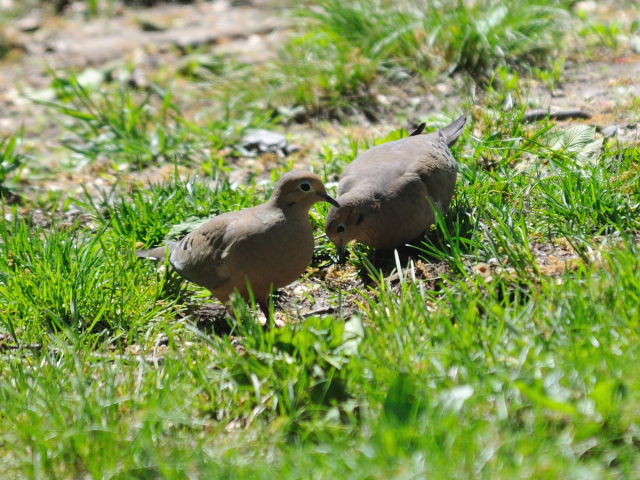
342,253
329,199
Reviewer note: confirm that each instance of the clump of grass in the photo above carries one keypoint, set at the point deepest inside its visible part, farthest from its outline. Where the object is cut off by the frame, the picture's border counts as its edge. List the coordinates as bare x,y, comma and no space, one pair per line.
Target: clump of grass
328,76
349,52
10,164
136,213
450,36
135,129
119,124
59,280
317,74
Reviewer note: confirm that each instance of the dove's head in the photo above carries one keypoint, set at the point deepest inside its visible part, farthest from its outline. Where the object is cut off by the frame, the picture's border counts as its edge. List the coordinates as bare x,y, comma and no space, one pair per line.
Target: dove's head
302,189
352,220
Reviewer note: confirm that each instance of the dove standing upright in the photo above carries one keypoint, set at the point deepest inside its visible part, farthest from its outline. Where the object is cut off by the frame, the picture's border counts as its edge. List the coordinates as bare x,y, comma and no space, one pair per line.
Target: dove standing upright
262,248
388,193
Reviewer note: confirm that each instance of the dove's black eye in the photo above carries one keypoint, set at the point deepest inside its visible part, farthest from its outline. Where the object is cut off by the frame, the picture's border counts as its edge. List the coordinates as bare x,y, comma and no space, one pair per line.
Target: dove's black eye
305,186
341,228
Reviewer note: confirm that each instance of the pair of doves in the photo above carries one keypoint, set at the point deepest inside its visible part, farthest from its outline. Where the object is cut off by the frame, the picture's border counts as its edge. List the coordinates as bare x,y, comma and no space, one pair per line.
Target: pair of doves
386,198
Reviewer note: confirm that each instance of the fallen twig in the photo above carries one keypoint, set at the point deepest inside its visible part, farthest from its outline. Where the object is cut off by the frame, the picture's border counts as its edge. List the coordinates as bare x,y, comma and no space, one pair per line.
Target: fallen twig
541,114
319,311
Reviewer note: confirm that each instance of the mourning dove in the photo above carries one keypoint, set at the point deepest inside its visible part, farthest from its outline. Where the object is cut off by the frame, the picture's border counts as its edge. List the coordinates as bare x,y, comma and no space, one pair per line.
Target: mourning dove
387,193
267,246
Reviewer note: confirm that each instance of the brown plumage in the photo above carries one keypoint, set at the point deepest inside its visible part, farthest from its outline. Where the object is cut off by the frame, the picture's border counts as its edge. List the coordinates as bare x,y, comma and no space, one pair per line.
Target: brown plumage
269,245
387,193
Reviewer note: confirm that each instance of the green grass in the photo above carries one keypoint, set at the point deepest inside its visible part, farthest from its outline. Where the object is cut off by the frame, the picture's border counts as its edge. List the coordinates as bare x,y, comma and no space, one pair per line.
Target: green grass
515,356
518,374
87,282
11,163
136,129
543,383
455,36
349,52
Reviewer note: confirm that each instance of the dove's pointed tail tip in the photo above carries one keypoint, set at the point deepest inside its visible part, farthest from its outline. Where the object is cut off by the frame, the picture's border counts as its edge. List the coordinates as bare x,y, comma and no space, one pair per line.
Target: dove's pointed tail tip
158,253
419,129
451,132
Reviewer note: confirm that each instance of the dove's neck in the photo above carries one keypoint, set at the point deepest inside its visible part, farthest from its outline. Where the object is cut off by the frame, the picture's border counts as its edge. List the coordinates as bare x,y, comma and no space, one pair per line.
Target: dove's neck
289,206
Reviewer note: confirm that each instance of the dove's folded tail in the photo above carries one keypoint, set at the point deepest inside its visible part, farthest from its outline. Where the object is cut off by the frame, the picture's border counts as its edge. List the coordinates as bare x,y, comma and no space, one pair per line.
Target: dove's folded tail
452,131
158,253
